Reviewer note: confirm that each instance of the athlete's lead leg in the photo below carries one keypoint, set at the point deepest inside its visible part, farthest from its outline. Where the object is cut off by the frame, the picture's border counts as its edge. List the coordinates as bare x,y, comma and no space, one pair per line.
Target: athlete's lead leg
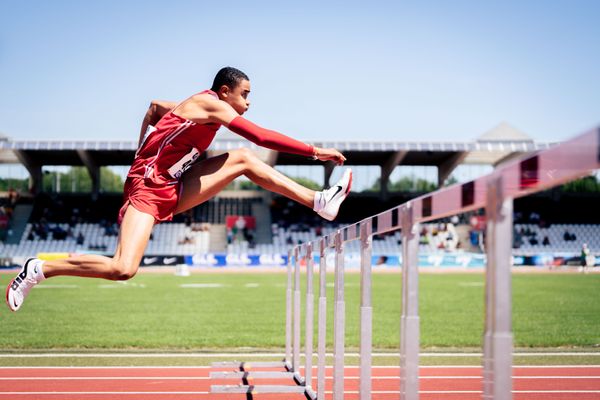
207,178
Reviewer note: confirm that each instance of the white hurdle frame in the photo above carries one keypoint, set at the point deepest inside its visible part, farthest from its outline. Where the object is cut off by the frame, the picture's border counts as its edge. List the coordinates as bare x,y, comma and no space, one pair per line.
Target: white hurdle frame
494,192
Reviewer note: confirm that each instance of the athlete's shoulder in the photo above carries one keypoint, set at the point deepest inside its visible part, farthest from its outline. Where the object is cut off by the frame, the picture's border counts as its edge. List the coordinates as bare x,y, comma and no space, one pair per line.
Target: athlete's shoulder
206,97
210,102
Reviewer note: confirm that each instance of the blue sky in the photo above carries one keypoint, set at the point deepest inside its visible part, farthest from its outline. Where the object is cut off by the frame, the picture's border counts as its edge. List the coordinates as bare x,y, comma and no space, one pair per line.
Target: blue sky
430,70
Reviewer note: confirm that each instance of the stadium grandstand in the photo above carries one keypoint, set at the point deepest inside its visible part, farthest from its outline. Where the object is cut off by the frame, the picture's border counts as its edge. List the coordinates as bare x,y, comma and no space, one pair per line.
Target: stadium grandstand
69,199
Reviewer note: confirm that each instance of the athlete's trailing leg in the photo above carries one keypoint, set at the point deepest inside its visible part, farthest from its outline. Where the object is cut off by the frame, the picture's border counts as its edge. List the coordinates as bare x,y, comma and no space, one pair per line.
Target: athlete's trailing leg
133,237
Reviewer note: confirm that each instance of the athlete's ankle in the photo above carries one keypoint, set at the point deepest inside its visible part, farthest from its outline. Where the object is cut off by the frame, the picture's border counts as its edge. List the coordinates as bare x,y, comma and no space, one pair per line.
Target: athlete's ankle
318,202
38,270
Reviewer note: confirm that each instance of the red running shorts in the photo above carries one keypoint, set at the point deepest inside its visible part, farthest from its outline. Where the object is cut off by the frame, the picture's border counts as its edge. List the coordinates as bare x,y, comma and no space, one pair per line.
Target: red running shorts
158,201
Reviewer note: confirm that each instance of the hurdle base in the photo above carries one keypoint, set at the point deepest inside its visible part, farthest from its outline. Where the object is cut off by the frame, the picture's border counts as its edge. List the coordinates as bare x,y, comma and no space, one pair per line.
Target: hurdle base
245,366
243,371
252,374
257,389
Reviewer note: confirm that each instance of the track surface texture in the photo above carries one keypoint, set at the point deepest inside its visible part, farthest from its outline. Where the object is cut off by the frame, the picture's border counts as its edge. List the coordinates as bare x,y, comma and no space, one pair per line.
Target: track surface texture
183,383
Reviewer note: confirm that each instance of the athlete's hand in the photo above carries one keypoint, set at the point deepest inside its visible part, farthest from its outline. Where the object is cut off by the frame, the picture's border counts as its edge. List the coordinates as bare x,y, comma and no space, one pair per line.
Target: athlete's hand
329,155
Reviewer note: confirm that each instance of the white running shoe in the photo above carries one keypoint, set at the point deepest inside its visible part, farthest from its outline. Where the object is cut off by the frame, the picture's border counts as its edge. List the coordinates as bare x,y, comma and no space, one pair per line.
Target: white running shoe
327,202
29,276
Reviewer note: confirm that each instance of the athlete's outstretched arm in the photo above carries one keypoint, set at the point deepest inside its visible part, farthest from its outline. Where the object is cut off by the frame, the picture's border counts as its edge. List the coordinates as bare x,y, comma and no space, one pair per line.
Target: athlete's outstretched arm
155,112
224,114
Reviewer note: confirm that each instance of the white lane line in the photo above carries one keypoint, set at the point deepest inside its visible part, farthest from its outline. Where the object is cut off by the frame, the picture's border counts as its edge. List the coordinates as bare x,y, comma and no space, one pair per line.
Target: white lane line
201,285
121,285
327,392
100,378
346,377
476,391
51,286
251,285
423,367
97,393
262,355
71,368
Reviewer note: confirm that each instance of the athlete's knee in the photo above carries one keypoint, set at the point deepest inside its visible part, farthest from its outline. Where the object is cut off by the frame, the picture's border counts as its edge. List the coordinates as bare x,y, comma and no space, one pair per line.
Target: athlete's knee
122,270
247,157
244,154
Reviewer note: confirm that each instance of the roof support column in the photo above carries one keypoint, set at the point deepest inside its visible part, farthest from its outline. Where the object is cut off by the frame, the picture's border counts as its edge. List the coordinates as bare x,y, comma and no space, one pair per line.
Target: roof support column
446,167
34,168
92,167
386,170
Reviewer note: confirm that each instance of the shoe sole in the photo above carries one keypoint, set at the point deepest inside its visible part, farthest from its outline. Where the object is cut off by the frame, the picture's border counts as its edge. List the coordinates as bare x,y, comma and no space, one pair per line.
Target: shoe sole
349,184
7,289
7,301
11,282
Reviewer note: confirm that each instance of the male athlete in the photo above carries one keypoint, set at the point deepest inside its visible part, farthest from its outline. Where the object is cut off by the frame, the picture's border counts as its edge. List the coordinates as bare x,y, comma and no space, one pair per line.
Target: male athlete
165,180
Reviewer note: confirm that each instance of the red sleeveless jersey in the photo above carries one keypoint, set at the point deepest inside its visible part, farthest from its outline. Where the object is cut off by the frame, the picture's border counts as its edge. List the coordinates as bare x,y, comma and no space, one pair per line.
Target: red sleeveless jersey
152,184
172,148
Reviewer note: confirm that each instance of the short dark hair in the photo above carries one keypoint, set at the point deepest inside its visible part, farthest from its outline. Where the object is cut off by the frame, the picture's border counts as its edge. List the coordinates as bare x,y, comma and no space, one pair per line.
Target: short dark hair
228,76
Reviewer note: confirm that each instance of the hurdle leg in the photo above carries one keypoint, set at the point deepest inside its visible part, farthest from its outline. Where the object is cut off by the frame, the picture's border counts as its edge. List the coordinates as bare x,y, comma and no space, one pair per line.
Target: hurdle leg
409,321
498,338
309,318
339,320
366,311
296,341
288,315
322,329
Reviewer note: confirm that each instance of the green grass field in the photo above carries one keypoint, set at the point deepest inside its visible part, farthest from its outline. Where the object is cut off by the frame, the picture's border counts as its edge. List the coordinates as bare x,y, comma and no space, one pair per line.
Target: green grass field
247,311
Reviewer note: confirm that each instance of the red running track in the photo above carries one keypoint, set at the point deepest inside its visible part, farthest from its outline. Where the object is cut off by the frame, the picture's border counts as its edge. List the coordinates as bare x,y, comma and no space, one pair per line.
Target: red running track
186,383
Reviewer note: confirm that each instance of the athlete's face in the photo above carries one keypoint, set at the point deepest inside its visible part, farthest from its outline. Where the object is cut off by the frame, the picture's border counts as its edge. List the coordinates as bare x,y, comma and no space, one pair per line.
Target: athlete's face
237,97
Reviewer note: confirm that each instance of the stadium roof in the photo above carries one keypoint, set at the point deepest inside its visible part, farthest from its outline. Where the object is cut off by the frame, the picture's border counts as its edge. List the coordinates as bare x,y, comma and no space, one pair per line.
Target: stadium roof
493,147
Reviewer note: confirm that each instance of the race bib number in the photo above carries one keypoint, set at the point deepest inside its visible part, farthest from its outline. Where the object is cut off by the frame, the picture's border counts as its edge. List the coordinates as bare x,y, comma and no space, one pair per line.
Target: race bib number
183,164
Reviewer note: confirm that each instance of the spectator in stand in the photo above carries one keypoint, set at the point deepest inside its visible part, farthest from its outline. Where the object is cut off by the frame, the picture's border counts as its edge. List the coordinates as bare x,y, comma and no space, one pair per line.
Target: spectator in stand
13,197
518,238
569,237
546,241
240,225
80,239
534,217
587,260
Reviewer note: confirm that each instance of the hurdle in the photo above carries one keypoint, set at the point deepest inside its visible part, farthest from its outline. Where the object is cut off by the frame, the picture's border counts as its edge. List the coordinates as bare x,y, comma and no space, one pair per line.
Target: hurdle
495,192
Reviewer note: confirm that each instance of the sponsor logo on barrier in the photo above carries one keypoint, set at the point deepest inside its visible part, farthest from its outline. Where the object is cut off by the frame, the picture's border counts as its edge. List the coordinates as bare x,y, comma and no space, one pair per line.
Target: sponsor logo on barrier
238,259
162,260
203,259
271,259
352,260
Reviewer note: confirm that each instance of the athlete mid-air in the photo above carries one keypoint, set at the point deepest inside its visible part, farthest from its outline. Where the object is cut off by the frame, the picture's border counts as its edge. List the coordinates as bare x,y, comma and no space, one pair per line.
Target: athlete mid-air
165,178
